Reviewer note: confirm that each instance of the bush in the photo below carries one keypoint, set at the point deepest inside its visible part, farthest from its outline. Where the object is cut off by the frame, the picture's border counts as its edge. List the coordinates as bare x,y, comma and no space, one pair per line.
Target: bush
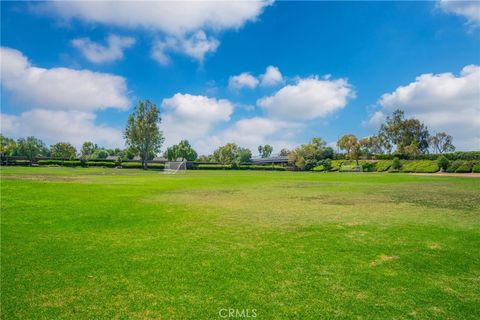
327,164
476,168
319,168
108,164
72,163
336,164
465,167
350,168
138,165
205,166
383,165
260,167
396,164
443,163
454,166
50,162
368,166
420,166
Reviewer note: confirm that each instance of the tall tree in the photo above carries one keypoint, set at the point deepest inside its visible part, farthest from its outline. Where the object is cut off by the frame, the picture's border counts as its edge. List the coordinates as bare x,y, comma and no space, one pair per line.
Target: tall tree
372,145
266,151
350,144
31,148
243,155
284,152
403,132
63,150
308,156
226,154
7,146
88,148
442,143
142,134
182,150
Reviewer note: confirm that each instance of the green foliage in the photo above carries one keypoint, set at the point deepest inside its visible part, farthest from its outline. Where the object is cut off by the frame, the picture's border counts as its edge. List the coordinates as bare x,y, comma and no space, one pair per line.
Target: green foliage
350,144
31,148
350,168
227,154
63,150
265,151
320,168
183,151
244,155
443,163
100,154
420,166
50,162
107,164
138,165
476,168
7,146
383,165
88,148
396,164
466,167
336,164
142,134
455,165
308,156
409,135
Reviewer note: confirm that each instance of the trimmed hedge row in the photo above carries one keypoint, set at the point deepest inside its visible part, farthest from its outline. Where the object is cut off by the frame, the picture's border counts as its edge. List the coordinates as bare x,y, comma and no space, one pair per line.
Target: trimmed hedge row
464,166
205,166
138,165
76,163
459,155
420,166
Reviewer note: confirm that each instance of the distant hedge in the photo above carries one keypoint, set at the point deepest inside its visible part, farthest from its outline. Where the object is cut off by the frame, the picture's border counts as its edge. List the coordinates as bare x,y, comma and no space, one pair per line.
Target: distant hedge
459,155
138,165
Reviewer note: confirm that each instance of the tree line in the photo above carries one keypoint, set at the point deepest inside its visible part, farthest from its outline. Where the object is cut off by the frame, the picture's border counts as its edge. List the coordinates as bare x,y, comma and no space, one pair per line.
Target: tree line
144,139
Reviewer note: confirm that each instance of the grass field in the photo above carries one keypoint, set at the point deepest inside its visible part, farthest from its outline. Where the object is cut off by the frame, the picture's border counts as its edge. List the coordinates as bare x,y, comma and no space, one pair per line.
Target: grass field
109,243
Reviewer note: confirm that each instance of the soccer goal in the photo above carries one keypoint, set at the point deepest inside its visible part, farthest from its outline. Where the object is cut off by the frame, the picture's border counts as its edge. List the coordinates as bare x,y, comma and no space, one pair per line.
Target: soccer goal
175,166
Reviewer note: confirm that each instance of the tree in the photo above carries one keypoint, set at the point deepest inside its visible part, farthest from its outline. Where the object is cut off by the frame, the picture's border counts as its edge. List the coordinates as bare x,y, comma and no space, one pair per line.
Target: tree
403,132
31,148
142,134
182,150
100,154
87,150
243,155
63,150
308,156
7,146
443,163
260,150
283,153
352,147
266,150
372,145
226,154
442,143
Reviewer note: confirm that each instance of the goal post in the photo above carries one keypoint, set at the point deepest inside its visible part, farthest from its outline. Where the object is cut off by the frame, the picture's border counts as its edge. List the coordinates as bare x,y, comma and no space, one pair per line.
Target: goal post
175,166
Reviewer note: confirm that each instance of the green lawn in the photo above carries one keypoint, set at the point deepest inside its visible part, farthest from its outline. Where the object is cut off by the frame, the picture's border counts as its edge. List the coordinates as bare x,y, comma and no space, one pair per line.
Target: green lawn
110,243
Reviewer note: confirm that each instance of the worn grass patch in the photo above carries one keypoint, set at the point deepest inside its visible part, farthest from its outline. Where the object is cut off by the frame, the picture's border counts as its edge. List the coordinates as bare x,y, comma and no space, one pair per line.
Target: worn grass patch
103,243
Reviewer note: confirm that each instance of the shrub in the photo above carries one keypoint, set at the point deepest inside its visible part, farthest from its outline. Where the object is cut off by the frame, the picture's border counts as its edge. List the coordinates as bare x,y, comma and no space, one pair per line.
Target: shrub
138,165
108,164
206,166
383,165
50,162
454,166
368,166
396,164
72,163
260,167
443,163
476,168
336,164
465,167
350,168
420,166
319,168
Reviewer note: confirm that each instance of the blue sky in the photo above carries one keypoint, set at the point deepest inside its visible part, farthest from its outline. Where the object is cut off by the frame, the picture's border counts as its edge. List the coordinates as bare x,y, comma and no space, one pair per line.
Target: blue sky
73,71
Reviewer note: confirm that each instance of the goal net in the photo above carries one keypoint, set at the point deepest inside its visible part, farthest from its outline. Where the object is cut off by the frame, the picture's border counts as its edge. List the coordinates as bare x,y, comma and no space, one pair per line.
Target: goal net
175,166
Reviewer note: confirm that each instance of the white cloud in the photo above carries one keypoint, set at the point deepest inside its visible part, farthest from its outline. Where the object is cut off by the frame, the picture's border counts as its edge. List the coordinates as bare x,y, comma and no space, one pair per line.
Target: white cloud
195,46
179,20
60,88
192,117
308,99
470,10
98,53
271,77
445,102
243,80
53,126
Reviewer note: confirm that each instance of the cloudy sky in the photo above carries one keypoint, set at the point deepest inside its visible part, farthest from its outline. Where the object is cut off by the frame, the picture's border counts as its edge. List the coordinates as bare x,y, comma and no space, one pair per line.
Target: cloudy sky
244,72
